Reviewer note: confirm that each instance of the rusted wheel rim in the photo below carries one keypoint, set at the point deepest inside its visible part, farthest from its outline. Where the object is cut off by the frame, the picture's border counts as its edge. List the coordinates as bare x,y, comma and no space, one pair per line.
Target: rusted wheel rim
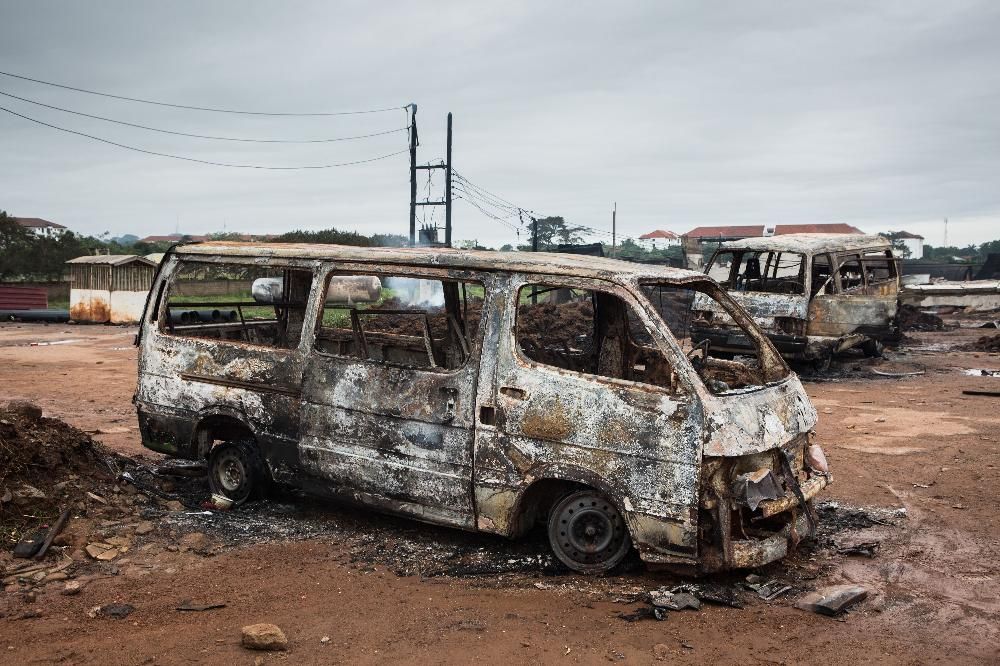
587,533
231,473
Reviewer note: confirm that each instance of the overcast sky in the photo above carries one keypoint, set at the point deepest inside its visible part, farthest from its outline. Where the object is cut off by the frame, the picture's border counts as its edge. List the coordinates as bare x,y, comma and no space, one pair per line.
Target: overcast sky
885,115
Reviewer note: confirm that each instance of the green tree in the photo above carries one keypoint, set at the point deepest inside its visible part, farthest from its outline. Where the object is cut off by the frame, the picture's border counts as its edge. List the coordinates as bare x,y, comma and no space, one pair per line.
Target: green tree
552,231
15,245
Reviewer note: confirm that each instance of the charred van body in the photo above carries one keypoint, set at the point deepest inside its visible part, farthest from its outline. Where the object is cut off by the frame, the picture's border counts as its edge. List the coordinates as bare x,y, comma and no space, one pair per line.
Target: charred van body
486,391
814,295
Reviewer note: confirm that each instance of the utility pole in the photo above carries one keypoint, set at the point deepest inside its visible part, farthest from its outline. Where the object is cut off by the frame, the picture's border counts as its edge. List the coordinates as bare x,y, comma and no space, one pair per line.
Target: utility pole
446,202
946,232
447,189
614,228
534,248
413,174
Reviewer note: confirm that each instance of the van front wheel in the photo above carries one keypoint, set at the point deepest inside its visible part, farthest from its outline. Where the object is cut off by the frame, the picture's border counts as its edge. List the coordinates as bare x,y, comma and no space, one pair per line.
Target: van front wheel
236,471
587,533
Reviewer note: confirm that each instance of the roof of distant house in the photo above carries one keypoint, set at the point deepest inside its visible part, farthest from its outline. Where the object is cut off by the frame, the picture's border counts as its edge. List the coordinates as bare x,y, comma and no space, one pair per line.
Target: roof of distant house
832,228
907,234
172,238
112,259
177,238
37,223
659,233
738,231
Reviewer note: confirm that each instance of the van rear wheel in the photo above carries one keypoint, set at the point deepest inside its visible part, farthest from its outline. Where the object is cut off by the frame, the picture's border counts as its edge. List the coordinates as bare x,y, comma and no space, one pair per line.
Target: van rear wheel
587,533
236,471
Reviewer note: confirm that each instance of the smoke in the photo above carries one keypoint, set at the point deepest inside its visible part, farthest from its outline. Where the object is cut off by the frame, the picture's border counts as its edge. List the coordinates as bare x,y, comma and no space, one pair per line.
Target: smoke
416,292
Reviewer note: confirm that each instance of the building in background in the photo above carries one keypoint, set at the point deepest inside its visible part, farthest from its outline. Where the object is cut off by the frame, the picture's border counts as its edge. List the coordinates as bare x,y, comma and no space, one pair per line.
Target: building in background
40,227
660,238
701,242
109,288
912,242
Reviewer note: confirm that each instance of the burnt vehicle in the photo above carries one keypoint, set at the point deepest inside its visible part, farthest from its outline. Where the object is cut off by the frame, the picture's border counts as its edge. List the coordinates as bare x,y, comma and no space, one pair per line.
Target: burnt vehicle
492,392
815,295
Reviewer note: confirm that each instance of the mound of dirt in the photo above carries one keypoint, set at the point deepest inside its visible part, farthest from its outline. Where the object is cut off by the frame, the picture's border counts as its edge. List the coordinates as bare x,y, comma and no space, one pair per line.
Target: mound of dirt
45,465
913,319
987,343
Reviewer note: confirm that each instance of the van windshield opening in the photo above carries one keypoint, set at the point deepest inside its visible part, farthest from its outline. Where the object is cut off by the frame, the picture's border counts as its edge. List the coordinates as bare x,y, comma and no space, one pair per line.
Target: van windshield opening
772,272
694,313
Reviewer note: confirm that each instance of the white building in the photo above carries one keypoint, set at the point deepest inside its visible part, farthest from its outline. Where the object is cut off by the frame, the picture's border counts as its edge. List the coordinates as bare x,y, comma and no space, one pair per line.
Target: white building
660,239
40,227
912,242
109,288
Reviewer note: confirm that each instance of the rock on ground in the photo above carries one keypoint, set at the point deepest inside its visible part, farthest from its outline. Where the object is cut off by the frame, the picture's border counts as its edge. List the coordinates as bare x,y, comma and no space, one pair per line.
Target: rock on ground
264,636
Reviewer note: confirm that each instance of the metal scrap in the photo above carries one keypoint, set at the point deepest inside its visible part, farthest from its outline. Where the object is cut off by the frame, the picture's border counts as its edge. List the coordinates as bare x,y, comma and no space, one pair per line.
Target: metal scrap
833,600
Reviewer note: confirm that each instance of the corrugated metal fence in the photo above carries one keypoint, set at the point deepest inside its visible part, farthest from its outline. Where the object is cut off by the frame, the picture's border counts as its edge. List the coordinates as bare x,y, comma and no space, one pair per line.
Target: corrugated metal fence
23,298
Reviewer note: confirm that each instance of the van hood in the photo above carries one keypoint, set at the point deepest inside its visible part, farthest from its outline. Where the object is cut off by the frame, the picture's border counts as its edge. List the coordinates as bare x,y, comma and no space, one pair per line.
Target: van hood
743,422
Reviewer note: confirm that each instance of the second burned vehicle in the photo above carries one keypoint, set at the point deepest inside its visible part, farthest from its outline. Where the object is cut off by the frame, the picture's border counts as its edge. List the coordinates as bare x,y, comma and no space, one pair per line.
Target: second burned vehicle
814,295
486,391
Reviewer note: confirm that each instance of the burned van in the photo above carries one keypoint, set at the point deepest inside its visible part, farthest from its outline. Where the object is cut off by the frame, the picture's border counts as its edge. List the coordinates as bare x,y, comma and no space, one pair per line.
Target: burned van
492,392
815,295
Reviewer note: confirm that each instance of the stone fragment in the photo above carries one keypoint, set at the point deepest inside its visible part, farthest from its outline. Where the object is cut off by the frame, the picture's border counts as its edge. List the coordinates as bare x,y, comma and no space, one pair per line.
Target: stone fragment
143,528
264,636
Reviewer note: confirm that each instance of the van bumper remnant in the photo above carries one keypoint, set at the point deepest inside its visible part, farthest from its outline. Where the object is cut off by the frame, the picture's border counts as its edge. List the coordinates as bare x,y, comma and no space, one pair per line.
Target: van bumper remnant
756,508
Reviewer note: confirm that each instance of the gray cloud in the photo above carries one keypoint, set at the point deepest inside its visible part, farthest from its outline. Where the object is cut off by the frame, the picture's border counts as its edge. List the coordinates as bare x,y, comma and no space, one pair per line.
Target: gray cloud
878,114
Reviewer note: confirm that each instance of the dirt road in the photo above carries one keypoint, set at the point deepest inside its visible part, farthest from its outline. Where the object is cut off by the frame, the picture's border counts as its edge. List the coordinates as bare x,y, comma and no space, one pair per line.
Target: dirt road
916,453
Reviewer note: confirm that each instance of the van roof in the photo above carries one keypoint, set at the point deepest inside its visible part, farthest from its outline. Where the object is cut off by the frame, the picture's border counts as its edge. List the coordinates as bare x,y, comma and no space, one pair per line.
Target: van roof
522,262
810,243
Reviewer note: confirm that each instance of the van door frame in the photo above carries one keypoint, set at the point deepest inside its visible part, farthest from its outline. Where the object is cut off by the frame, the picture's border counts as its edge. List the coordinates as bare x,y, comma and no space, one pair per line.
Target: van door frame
657,477
376,437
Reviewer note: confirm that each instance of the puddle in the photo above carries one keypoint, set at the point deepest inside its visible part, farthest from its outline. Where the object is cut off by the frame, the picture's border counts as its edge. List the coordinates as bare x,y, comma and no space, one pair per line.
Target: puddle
54,342
980,372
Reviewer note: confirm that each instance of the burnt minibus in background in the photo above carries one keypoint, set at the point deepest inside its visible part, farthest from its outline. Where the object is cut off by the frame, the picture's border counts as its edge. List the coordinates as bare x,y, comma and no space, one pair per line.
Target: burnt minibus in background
814,295
491,392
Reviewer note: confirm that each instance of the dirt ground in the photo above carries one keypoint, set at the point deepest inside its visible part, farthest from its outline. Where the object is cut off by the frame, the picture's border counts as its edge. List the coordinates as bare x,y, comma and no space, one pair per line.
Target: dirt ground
916,468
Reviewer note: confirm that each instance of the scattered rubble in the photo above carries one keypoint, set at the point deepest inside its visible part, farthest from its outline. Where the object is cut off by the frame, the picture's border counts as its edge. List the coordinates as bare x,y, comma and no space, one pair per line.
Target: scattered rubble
43,464
768,590
987,343
112,611
911,318
866,549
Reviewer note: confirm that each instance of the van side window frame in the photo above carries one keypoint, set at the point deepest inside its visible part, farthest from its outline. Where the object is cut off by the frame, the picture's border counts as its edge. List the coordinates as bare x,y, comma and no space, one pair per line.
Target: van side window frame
843,259
682,391
161,315
472,340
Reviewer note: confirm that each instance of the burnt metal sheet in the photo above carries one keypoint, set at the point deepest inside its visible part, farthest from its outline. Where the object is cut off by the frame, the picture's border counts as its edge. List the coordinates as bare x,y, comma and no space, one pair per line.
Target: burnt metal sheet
530,262
810,243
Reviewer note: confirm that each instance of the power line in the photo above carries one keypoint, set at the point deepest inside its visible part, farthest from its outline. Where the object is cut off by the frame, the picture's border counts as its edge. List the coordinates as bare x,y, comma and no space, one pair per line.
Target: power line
484,191
201,136
485,212
195,108
193,159
482,206
479,197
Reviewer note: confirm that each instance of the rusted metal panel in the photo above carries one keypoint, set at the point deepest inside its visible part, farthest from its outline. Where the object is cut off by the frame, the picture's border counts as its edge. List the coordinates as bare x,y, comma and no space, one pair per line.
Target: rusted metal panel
23,298
90,305
839,315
